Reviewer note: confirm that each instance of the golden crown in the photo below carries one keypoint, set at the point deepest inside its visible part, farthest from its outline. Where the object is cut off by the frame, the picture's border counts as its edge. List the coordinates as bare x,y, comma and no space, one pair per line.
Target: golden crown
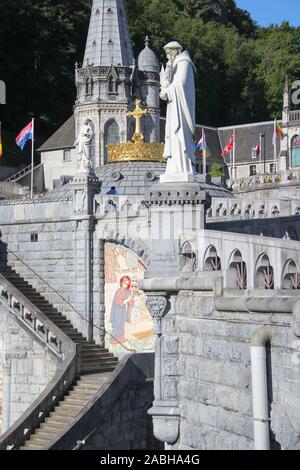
137,150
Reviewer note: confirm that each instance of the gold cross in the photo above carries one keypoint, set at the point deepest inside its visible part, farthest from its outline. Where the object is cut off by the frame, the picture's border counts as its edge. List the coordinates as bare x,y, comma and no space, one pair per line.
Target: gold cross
138,113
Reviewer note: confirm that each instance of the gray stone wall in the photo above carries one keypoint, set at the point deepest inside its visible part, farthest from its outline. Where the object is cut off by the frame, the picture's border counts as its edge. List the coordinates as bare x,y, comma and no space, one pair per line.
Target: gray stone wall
127,425
51,257
27,367
206,368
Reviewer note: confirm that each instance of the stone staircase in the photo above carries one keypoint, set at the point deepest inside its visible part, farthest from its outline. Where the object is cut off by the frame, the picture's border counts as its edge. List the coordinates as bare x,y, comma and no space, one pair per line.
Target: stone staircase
96,364
66,412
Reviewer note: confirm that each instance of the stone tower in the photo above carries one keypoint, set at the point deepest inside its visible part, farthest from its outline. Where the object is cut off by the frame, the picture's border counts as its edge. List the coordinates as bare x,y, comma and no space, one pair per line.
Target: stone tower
105,82
286,103
149,69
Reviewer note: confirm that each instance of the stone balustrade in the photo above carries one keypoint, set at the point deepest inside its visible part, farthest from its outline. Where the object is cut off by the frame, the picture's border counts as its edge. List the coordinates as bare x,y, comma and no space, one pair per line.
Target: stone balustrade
64,350
246,262
254,182
245,208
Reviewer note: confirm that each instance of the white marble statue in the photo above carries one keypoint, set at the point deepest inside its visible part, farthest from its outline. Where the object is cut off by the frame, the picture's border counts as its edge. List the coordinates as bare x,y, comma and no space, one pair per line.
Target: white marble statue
178,89
84,147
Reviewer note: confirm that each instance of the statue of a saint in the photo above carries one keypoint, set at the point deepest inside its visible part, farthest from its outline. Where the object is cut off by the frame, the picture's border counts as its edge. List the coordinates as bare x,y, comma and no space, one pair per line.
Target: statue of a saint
178,89
84,147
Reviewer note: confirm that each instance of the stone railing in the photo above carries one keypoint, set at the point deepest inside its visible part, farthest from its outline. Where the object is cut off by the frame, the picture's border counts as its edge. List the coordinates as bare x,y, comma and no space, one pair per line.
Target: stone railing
262,262
63,348
247,208
266,180
294,116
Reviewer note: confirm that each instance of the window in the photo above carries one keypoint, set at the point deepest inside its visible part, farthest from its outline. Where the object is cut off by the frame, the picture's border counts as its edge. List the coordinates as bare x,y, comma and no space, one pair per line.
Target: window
252,170
254,153
272,168
295,151
67,155
34,237
111,136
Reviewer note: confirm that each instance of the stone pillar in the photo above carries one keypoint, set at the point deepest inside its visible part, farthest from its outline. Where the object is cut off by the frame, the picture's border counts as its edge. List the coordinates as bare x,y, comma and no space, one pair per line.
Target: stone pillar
165,412
102,294
173,209
6,394
85,187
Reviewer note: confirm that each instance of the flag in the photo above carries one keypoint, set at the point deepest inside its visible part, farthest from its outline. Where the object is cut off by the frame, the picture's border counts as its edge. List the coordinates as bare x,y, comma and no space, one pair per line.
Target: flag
201,147
1,149
257,148
24,136
229,146
279,131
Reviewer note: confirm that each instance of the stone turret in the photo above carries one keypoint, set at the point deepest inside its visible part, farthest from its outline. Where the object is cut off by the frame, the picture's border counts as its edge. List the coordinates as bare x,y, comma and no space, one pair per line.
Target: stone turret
105,81
149,68
286,102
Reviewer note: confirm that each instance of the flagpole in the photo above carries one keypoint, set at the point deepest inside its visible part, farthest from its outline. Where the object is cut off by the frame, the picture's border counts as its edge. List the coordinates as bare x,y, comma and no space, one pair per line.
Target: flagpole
260,153
204,152
276,166
32,158
233,159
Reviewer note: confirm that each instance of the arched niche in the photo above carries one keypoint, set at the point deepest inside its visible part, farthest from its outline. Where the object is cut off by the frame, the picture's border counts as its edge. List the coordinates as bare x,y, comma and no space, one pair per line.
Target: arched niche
211,262
290,276
237,272
188,258
295,151
111,136
290,233
264,273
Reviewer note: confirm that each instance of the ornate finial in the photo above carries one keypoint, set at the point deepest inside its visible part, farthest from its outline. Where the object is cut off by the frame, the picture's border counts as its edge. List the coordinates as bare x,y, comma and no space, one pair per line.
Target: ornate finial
76,65
138,113
147,41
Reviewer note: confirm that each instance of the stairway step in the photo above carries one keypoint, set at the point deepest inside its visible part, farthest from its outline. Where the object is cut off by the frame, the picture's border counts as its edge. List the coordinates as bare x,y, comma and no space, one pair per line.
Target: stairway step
55,418
87,388
63,405
88,369
99,360
87,354
31,446
46,433
56,426
77,399
84,394
67,415
35,439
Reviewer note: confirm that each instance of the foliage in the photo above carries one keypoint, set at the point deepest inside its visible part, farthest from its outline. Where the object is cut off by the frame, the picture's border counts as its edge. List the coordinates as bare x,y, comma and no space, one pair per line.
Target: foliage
217,170
240,67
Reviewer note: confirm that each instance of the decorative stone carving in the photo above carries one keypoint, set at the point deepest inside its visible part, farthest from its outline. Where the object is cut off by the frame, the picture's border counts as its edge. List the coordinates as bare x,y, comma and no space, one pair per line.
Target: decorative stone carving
157,305
84,147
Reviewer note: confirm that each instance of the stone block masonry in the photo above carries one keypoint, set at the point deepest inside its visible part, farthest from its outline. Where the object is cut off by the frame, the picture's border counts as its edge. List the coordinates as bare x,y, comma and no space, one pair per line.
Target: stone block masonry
206,369
26,368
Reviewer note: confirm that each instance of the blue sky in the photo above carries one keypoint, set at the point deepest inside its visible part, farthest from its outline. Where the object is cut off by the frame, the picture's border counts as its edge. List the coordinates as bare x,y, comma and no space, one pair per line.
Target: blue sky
265,12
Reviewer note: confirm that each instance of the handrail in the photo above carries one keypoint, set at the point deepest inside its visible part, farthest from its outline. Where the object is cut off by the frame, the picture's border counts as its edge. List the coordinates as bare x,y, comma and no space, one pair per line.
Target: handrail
20,173
68,303
65,350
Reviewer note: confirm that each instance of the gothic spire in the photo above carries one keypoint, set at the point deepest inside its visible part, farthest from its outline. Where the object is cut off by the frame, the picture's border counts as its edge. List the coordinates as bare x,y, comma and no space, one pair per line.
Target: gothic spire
286,94
108,41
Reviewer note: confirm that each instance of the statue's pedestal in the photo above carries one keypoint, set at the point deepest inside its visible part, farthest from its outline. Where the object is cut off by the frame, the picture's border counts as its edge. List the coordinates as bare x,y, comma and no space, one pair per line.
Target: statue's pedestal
177,178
